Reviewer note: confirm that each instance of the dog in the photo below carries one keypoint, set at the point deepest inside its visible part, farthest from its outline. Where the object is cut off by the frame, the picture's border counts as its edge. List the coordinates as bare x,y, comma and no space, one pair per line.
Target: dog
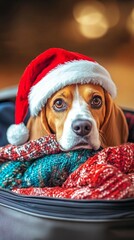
81,116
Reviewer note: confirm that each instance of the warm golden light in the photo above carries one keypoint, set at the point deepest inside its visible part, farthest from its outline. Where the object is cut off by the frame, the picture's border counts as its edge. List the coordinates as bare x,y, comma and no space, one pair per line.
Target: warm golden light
94,30
91,19
130,22
82,11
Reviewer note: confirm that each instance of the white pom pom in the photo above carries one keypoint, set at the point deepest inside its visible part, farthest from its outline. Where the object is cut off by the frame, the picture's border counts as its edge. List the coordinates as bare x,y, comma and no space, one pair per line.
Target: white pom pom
17,134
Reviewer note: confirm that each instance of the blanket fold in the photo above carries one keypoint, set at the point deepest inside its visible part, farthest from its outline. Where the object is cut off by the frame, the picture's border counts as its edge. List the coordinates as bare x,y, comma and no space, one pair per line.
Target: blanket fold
39,168
30,150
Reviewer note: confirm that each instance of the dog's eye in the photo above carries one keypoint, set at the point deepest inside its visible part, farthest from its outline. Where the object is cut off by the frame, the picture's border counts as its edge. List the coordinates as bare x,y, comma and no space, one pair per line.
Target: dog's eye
96,102
59,105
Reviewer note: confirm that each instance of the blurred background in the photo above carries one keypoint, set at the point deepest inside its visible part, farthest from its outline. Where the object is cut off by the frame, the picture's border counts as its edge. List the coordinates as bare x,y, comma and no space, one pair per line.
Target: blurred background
103,30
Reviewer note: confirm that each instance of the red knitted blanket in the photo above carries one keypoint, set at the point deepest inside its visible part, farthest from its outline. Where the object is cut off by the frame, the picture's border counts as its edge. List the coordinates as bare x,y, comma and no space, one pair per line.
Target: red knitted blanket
107,175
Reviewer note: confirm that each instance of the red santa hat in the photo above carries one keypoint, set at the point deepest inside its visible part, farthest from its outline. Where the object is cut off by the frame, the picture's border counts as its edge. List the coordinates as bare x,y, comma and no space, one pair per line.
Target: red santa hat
46,74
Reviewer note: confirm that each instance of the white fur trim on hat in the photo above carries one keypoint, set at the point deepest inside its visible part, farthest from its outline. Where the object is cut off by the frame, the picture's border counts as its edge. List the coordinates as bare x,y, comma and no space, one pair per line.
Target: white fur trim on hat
77,71
17,134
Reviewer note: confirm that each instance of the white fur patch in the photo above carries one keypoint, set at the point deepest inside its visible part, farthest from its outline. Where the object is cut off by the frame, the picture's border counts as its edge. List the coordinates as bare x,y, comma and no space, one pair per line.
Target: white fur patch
73,72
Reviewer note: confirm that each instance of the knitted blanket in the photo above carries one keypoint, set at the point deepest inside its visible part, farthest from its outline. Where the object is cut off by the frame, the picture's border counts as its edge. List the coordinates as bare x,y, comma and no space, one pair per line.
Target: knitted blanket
39,168
37,164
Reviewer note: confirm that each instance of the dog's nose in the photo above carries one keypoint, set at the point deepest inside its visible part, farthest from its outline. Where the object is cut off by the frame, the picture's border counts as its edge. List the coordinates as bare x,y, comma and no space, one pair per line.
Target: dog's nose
81,127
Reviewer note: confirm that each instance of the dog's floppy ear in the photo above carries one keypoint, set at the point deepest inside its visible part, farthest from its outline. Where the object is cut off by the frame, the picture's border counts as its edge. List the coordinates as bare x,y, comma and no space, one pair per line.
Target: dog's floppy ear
38,126
114,130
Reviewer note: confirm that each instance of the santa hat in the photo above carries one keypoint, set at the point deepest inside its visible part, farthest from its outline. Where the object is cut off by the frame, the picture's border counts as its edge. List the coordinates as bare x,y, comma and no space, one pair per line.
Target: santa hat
46,74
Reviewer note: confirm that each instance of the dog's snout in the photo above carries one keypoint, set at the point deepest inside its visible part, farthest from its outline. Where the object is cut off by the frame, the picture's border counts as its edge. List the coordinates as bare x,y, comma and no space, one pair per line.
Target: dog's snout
81,127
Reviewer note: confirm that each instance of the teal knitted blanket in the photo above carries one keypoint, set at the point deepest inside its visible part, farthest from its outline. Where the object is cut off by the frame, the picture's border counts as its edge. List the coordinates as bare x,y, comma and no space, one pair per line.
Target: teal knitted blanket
50,170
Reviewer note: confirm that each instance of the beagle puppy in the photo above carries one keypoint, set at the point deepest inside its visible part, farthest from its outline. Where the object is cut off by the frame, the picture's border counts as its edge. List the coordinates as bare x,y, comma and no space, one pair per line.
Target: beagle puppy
81,116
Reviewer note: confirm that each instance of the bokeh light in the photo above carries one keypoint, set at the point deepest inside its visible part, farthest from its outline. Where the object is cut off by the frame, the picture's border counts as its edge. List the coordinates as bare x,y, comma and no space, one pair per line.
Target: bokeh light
95,30
95,18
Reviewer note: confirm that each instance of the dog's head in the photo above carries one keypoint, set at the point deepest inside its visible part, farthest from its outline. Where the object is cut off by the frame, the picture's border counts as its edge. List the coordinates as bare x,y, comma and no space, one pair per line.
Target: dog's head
68,94
81,116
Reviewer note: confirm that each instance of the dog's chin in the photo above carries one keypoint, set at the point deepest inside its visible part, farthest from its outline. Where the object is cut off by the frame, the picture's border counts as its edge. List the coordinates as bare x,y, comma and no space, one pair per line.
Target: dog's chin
80,145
